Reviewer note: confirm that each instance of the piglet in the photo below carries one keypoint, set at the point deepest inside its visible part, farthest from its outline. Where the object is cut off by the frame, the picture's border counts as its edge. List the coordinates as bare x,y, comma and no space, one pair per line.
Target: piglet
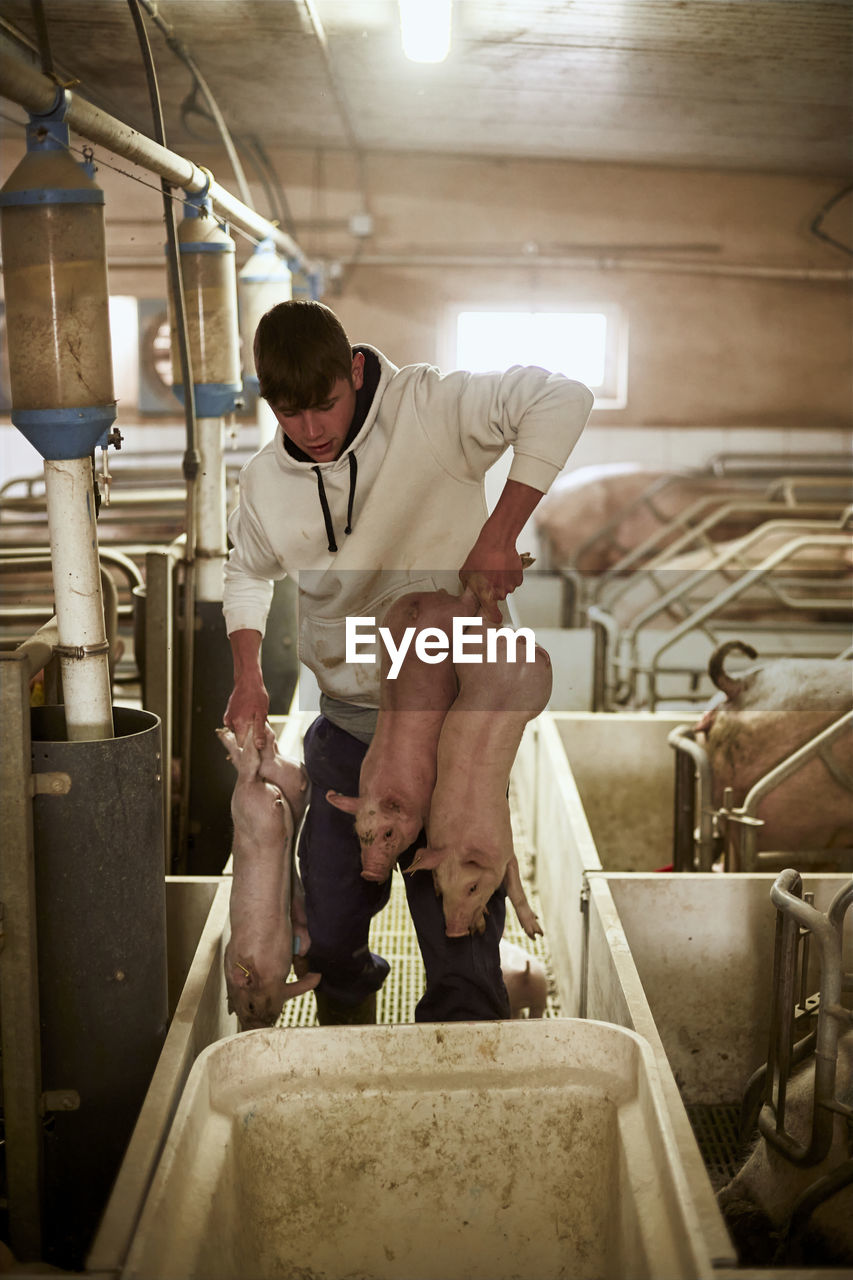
268,920
524,979
398,773
469,832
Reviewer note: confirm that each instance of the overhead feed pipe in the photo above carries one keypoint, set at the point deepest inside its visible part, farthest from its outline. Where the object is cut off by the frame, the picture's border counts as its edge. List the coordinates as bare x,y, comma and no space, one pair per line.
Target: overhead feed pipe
208,269
209,274
60,365
264,281
25,85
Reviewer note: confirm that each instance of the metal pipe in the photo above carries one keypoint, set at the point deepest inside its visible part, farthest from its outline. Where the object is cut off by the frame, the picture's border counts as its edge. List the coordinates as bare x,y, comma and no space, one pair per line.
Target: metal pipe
83,647
33,91
23,558
792,763
828,931
37,649
745,816
749,579
826,275
730,553
827,464
779,1061
644,499
210,545
681,740
816,1195
747,478
694,520
157,667
605,638
555,262
698,532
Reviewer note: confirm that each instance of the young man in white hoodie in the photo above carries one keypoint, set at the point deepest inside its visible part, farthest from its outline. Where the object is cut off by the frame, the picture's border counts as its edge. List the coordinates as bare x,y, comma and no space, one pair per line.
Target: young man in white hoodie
374,487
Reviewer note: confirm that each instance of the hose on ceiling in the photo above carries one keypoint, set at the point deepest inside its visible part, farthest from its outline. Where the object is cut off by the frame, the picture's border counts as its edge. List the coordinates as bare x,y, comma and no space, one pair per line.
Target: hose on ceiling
180,50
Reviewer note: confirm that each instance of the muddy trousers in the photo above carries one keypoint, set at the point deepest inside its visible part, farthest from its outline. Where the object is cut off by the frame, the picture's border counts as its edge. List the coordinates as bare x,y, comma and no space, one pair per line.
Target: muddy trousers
463,975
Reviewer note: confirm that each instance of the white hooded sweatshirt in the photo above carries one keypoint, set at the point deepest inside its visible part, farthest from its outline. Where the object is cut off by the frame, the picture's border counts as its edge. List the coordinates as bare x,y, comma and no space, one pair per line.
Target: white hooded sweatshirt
413,481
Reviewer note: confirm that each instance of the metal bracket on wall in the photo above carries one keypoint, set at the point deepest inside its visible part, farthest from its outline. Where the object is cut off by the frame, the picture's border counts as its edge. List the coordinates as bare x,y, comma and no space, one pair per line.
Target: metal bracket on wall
60,1100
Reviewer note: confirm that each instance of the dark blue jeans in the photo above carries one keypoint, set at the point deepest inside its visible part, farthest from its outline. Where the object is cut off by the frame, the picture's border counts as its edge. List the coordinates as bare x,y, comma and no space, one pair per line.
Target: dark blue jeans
463,975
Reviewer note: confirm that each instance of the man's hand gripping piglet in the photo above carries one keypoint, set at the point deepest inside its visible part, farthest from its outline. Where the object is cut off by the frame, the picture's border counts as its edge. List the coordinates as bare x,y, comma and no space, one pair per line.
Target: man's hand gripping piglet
268,920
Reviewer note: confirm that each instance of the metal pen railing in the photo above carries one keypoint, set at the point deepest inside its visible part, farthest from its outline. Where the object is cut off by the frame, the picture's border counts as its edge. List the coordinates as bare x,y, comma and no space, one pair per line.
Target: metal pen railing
796,920
625,656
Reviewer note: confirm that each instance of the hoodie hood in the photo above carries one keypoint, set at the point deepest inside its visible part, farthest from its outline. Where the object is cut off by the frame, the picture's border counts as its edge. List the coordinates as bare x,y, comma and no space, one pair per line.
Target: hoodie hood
363,418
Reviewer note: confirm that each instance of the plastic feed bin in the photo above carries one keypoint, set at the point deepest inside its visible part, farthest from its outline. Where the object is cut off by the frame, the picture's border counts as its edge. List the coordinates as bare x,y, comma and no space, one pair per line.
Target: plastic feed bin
431,1152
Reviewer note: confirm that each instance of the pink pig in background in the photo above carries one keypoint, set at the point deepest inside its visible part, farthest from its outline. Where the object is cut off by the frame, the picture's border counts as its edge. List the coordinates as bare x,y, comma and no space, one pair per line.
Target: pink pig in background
525,980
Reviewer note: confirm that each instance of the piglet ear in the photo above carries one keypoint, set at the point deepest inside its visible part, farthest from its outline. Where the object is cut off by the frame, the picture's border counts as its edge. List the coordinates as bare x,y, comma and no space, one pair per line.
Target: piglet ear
239,976
426,860
348,804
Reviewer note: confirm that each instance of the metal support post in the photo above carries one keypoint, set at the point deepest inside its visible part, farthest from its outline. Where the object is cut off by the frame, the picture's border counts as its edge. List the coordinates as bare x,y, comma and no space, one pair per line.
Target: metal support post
158,661
210,544
19,994
83,647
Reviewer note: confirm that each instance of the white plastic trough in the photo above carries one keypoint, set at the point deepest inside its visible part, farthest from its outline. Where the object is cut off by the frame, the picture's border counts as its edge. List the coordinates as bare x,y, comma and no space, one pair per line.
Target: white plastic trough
683,961
430,1152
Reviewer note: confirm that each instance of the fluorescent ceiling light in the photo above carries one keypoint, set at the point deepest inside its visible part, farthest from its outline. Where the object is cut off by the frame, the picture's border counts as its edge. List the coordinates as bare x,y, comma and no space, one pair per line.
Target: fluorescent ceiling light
425,28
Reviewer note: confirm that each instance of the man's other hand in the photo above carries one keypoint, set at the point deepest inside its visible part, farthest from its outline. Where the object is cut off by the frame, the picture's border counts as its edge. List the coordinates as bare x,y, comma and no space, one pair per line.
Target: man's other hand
247,710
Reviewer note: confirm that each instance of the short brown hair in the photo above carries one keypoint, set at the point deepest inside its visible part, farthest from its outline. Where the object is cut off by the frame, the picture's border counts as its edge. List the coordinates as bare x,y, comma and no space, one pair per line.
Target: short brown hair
301,349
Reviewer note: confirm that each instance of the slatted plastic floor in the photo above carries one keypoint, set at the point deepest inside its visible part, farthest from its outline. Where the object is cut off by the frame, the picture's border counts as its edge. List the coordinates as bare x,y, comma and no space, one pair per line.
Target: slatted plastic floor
716,1129
392,935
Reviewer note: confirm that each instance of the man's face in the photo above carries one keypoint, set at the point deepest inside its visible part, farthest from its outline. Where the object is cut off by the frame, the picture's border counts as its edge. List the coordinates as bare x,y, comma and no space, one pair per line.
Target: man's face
320,430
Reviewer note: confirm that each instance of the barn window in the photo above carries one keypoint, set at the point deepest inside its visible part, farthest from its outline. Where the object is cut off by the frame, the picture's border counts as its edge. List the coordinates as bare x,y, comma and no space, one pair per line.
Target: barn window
590,345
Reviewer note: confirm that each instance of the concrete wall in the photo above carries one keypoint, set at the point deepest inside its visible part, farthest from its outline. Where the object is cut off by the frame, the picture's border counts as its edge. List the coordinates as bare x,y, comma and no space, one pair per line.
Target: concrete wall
625,774
706,351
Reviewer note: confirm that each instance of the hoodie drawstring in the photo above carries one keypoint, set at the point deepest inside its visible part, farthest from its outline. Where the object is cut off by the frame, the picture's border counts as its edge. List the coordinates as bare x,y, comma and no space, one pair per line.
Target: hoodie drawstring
324,502
353,471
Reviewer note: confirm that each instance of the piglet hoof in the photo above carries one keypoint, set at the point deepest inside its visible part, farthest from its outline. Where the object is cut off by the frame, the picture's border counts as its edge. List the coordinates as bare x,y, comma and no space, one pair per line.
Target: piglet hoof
530,924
